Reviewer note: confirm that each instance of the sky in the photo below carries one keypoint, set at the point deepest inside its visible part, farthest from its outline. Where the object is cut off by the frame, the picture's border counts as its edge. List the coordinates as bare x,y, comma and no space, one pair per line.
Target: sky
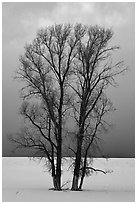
20,23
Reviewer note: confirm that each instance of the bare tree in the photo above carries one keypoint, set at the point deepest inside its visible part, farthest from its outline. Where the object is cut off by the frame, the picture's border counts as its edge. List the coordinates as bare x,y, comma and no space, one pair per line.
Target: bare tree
93,73
38,135
66,70
91,136
46,68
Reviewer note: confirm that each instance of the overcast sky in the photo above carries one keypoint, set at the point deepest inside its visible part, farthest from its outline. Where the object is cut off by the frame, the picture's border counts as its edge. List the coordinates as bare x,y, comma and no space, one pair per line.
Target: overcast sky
20,22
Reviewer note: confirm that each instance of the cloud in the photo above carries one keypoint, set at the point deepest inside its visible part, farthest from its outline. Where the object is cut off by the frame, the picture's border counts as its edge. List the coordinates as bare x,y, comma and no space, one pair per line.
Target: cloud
115,14
21,20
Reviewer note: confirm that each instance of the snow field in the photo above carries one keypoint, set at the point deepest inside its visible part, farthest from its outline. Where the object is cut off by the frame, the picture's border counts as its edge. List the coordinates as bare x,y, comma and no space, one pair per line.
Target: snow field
27,181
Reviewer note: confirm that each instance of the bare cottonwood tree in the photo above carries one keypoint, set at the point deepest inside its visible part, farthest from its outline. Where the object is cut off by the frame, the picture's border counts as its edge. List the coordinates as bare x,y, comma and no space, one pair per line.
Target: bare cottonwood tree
66,70
93,73
45,68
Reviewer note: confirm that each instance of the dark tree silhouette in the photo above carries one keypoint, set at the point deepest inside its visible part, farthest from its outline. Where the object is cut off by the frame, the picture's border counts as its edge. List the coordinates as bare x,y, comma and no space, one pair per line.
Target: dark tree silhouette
46,68
94,72
66,70
91,135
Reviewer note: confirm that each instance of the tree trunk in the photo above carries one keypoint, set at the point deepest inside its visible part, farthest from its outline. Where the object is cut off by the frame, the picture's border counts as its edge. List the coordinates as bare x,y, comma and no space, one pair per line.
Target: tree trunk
77,166
59,157
75,183
79,147
83,170
56,178
58,166
83,174
59,140
56,183
81,182
58,173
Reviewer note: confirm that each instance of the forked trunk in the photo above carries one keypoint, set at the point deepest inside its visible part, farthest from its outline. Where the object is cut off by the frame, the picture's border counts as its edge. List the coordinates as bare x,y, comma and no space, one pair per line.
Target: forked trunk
77,167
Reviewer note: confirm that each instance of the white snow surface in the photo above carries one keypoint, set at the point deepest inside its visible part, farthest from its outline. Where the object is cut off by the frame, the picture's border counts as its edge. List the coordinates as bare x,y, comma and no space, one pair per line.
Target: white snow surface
27,181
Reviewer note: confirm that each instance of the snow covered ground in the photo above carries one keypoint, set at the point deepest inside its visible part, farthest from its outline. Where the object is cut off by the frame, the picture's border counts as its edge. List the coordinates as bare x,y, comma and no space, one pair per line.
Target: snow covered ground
27,181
